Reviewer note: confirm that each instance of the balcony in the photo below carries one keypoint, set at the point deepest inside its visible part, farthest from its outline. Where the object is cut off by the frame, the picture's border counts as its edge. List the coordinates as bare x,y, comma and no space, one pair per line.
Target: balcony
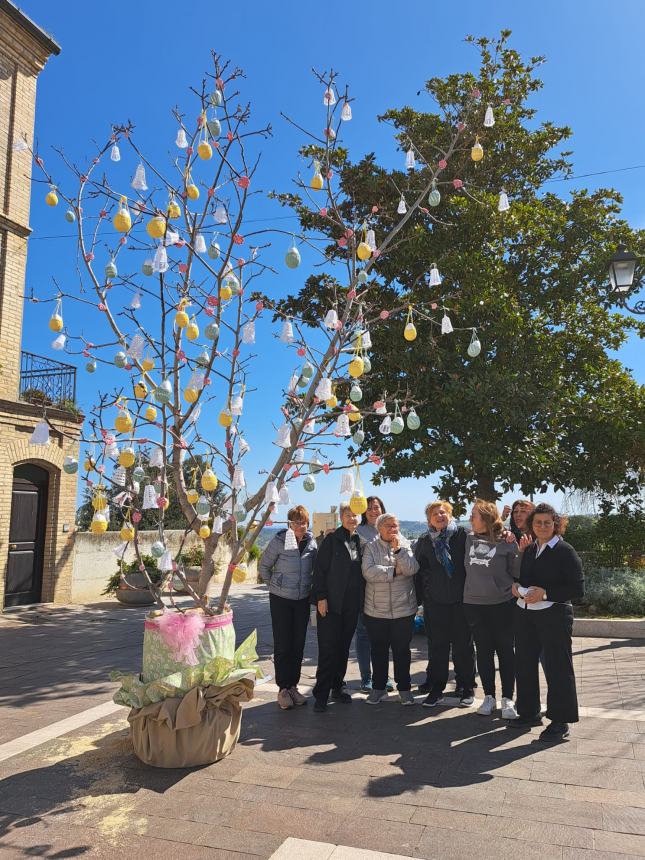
45,382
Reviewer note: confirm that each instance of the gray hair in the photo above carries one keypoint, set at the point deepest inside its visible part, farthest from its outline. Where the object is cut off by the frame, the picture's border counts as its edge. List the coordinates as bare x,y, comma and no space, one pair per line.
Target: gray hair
344,506
383,518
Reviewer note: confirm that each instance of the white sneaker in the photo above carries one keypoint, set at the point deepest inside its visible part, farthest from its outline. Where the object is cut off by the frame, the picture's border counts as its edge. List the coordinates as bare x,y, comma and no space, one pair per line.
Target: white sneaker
508,710
487,706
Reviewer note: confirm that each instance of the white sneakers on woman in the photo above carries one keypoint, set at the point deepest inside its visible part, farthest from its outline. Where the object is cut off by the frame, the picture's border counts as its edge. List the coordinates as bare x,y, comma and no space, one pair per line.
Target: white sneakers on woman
489,705
508,709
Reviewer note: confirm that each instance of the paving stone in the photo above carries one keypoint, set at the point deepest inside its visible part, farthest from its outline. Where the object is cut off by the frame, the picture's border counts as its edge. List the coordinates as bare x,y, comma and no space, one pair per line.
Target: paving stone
605,795
626,819
279,777
584,854
621,843
439,844
396,838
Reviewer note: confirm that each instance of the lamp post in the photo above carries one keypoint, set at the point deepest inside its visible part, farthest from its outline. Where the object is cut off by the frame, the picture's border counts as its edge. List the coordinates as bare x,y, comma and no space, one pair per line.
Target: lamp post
622,268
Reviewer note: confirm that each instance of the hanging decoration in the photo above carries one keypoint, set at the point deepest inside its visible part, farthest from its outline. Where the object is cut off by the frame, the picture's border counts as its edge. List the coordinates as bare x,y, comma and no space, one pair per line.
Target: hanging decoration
410,330
385,426
489,117
139,179
40,435
446,325
434,197
410,162
502,204
402,208
331,319
358,501
248,332
115,154
474,347
292,257
396,425
286,335
317,181
435,277
283,439
347,483
56,319
477,152
346,111
181,140
342,426
412,420
324,388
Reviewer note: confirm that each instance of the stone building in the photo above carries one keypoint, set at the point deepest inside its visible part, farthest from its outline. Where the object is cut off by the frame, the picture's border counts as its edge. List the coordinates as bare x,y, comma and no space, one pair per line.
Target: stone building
37,498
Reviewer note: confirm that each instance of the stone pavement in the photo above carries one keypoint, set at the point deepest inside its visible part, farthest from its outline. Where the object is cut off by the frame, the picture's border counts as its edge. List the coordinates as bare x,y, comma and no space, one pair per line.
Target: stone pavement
406,781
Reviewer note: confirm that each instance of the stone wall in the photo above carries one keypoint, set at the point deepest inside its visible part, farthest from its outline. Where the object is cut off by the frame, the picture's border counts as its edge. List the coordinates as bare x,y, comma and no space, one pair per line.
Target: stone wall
95,562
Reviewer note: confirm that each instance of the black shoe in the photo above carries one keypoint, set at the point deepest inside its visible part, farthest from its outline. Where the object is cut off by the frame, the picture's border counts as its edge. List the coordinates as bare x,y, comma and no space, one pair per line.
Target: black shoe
457,693
320,706
424,688
467,699
555,732
525,722
341,696
432,700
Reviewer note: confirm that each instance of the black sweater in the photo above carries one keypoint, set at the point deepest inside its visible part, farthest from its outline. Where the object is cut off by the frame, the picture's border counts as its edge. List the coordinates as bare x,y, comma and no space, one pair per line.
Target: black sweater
558,570
337,578
435,584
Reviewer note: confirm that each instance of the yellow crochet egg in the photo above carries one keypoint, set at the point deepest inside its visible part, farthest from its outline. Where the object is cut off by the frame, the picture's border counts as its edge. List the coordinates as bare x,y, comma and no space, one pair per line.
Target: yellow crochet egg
127,532
204,532
356,367
150,413
363,252
56,323
205,150
191,395
192,191
156,227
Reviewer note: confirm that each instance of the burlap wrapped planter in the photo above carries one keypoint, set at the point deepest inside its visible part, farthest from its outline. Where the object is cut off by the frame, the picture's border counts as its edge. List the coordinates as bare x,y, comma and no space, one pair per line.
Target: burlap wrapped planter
186,705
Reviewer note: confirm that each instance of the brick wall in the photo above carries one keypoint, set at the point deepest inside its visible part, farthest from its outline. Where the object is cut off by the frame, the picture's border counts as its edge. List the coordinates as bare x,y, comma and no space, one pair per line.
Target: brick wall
23,54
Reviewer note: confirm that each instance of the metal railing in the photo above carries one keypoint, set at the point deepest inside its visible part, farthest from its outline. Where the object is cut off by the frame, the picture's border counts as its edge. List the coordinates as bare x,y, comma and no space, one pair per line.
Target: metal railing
45,381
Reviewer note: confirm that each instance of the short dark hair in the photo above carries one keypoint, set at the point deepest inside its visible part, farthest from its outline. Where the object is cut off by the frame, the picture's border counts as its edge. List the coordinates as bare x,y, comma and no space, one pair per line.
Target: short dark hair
559,522
371,499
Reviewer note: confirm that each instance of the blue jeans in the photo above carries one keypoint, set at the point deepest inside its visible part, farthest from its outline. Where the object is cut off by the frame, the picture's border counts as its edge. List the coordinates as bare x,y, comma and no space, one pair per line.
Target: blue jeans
363,651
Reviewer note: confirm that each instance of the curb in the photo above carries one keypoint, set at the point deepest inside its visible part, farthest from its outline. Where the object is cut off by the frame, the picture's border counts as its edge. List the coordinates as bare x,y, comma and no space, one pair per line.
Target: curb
610,628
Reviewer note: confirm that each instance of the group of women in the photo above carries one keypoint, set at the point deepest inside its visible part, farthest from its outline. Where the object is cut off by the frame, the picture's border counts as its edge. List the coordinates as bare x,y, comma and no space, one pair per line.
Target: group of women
487,593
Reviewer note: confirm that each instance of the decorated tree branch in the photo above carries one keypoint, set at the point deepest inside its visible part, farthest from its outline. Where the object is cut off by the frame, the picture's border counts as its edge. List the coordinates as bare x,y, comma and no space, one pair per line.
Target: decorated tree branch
177,293
532,395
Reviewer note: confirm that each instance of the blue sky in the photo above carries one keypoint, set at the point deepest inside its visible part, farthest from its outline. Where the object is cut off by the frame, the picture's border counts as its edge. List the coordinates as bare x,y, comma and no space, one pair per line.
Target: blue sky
134,61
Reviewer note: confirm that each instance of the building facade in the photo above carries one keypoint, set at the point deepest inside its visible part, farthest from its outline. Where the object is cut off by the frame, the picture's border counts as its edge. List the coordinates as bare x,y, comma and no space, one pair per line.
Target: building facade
37,497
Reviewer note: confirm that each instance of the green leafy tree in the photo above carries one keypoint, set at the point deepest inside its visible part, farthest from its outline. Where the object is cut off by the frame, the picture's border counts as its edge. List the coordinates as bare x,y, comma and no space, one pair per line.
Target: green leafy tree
544,402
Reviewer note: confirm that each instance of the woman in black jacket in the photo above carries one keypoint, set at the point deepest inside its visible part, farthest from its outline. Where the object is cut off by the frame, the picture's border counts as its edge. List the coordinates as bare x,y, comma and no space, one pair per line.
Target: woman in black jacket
337,592
440,553
551,579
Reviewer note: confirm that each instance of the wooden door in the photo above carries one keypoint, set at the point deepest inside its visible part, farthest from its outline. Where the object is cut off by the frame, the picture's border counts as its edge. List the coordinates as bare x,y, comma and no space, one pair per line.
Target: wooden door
27,535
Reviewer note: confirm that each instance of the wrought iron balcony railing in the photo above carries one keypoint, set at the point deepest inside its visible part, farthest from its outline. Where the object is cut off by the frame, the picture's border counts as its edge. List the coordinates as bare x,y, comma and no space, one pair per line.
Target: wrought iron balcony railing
47,382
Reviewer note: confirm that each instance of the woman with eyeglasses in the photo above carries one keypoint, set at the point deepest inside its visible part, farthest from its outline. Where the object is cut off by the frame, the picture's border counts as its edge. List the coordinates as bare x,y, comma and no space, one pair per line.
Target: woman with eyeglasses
390,605
367,532
551,580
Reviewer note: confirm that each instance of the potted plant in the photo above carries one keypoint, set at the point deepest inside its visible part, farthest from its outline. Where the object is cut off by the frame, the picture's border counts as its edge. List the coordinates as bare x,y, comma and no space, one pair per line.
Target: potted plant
129,585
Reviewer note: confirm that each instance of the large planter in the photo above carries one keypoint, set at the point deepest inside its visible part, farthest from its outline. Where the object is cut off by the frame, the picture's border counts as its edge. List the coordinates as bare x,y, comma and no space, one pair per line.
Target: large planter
186,705
132,596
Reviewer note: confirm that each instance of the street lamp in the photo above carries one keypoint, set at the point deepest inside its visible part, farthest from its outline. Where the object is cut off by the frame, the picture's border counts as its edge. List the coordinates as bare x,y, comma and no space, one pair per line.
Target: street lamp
622,268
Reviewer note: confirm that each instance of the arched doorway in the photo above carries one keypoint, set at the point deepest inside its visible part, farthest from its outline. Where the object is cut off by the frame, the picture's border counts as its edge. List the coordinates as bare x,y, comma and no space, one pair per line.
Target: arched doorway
27,535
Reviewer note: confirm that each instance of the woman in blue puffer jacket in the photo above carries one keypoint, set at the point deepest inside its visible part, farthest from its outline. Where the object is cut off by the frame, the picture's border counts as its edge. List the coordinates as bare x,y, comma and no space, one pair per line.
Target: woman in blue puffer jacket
288,573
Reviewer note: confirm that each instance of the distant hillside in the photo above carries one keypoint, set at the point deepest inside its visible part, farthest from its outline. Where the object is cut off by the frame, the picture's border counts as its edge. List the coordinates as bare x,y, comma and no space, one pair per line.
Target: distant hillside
410,528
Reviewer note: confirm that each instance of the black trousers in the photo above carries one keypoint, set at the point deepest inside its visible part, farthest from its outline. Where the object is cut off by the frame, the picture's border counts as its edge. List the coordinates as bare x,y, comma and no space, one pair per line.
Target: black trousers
335,632
547,632
394,633
426,627
289,619
492,628
449,627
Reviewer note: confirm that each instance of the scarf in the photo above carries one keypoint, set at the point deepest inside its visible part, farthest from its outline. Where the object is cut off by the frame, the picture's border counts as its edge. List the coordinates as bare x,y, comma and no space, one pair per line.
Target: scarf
440,542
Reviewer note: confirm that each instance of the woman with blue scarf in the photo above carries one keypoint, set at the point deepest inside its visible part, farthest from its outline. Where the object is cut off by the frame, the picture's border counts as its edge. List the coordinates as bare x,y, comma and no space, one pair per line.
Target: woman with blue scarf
441,553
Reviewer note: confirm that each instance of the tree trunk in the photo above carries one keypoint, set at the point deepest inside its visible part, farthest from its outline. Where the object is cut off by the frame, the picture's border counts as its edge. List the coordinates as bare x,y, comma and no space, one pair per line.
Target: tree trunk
486,488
